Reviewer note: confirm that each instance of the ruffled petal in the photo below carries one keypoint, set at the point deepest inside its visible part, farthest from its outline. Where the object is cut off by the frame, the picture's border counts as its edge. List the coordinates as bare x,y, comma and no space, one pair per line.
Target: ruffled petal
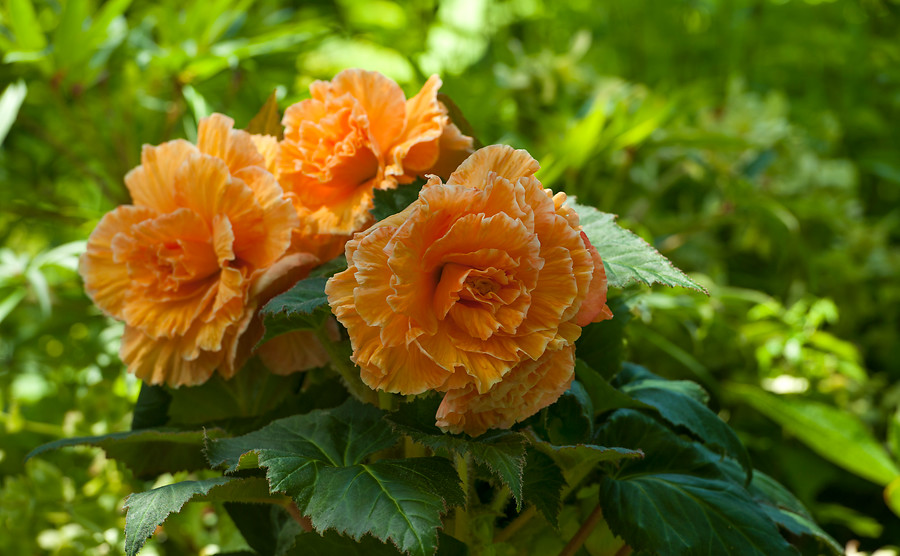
217,137
502,160
381,99
106,281
152,184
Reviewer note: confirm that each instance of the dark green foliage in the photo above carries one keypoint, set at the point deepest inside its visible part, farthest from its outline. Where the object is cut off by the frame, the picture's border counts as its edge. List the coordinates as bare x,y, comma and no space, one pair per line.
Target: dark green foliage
392,201
319,460
676,500
147,510
268,529
146,452
502,452
543,482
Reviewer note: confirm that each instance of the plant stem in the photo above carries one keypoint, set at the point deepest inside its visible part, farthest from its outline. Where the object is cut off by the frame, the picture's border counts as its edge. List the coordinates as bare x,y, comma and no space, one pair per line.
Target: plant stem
583,532
461,518
499,502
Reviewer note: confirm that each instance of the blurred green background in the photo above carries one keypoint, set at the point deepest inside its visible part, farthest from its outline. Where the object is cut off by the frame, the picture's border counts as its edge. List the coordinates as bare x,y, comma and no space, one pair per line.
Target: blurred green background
754,142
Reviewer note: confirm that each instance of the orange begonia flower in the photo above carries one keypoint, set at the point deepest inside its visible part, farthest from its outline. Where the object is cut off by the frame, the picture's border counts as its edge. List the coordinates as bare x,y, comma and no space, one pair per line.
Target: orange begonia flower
479,289
356,134
186,266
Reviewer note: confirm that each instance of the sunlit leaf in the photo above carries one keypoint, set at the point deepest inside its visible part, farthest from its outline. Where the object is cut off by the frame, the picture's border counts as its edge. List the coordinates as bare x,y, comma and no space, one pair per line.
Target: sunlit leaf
836,435
10,102
626,256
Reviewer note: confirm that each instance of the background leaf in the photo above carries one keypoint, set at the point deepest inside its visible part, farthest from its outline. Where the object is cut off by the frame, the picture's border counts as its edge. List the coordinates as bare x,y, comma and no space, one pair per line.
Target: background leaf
835,435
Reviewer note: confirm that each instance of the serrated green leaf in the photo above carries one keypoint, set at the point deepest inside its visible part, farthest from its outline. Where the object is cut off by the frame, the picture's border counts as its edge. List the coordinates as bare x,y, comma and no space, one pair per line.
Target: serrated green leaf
682,410
303,307
251,393
603,396
570,420
152,407
147,510
635,376
388,202
269,529
789,513
501,451
838,436
402,501
602,344
301,300
678,500
626,257
329,268
333,544
268,120
578,460
147,452
678,514
543,483
318,459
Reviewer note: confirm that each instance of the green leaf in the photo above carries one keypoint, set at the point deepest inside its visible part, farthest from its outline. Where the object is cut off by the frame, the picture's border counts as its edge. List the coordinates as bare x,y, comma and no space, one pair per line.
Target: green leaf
837,436
388,202
10,102
69,45
457,117
147,452
603,396
196,101
578,460
602,344
543,483
147,510
25,27
789,513
250,393
303,307
152,407
318,459
333,544
269,529
683,410
677,500
501,451
634,376
268,120
626,257
570,420
678,514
